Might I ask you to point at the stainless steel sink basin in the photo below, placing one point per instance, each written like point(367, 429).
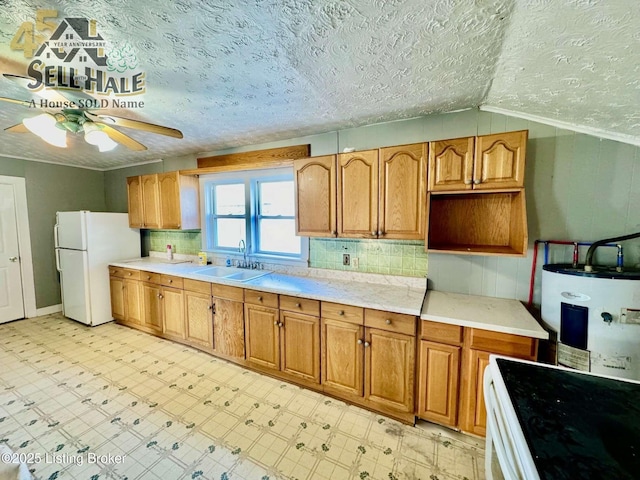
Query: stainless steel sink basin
point(246, 275)
point(216, 271)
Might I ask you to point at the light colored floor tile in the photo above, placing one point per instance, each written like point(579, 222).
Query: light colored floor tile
point(175, 412)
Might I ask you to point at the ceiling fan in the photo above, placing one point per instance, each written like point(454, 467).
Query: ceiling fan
point(96, 127)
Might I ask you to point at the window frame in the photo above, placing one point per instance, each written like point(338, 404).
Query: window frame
point(251, 180)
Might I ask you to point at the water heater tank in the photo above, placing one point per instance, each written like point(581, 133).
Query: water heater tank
point(596, 317)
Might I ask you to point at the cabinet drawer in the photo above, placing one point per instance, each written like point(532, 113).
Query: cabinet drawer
point(301, 305)
point(227, 292)
point(502, 343)
point(441, 332)
point(171, 281)
point(261, 298)
point(392, 322)
point(124, 273)
point(346, 313)
point(150, 277)
point(197, 286)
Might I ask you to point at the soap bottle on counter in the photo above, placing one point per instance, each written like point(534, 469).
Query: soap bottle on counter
point(169, 252)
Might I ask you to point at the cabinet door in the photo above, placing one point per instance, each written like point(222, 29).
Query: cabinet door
point(358, 194)
point(262, 335)
point(134, 200)
point(152, 306)
point(133, 302)
point(439, 372)
point(390, 369)
point(403, 192)
point(451, 164)
point(228, 327)
point(315, 187)
point(300, 345)
point(499, 160)
point(116, 286)
point(198, 319)
point(173, 313)
point(342, 357)
point(150, 199)
point(169, 196)
point(473, 414)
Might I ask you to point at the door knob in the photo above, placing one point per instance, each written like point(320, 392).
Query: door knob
point(13, 259)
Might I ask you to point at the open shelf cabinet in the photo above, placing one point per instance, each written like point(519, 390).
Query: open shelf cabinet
point(479, 223)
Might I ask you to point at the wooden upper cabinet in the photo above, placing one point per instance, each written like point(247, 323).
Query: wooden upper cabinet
point(134, 197)
point(150, 201)
point(451, 164)
point(164, 200)
point(499, 160)
point(315, 187)
point(179, 204)
point(479, 163)
point(403, 190)
point(358, 194)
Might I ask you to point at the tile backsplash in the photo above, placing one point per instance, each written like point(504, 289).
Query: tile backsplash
point(389, 257)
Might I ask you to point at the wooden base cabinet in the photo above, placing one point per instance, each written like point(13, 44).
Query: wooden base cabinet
point(438, 382)
point(262, 331)
point(300, 346)
point(228, 322)
point(373, 366)
point(198, 319)
point(126, 301)
point(473, 416)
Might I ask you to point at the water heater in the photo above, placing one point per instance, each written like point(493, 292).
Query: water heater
point(596, 316)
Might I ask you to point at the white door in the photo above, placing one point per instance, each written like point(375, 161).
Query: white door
point(11, 299)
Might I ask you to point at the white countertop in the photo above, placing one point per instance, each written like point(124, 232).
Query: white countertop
point(487, 313)
point(391, 298)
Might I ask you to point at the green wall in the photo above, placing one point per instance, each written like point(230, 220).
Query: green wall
point(51, 188)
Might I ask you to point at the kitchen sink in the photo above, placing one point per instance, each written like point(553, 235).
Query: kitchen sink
point(217, 271)
point(232, 273)
point(246, 275)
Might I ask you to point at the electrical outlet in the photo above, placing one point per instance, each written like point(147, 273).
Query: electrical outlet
point(355, 262)
point(346, 259)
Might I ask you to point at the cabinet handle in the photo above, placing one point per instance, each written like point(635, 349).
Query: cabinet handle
point(334, 233)
point(467, 182)
point(129, 273)
point(210, 307)
point(380, 233)
point(297, 305)
point(477, 182)
point(170, 281)
point(259, 299)
point(387, 321)
point(160, 296)
point(366, 344)
point(281, 324)
point(373, 232)
point(359, 342)
point(276, 323)
point(341, 312)
point(148, 277)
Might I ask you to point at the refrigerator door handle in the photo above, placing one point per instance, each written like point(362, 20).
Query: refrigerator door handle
point(57, 250)
point(56, 240)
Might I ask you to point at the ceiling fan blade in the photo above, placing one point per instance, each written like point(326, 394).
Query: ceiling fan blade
point(135, 124)
point(13, 100)
point(48, 94)
point(18, 128)
point(121, 138)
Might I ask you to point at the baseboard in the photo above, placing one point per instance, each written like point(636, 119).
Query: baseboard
point(48, 310)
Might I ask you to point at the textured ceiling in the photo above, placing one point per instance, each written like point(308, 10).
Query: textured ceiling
point(231, 73)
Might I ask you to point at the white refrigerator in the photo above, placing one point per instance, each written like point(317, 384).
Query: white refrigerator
point(85, 243)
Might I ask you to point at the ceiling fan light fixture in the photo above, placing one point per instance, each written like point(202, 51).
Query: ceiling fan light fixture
point(44, 126)
point(94, 136)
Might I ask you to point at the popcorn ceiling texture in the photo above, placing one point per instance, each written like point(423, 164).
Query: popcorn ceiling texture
point(232, 74)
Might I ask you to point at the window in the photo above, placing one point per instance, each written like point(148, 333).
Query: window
point(254, 207)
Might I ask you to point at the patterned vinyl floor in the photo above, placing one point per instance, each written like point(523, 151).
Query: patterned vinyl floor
point(112, 403)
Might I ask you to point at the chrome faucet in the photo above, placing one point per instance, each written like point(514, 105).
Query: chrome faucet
point(242, 248)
